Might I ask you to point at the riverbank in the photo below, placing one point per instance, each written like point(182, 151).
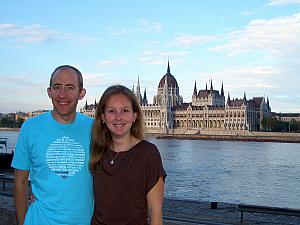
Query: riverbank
point(9, 129)
point(245, 136)
point(283, 137)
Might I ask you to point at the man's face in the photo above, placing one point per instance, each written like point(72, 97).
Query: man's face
point(65, 94)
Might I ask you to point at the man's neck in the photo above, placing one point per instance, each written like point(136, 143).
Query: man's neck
point(64, 119)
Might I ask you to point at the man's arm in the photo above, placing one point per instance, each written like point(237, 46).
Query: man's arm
point(21, 194)
point(155, 199)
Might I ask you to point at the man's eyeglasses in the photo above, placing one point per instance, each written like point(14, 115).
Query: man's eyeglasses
point(70, 89)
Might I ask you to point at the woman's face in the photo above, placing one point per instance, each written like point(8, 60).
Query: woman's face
point(118, 115)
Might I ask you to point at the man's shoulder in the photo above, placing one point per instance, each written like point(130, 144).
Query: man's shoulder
point(85, 117)
point(37, 119)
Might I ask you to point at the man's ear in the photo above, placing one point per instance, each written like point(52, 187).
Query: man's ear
point(49, 92)
point(82, 93)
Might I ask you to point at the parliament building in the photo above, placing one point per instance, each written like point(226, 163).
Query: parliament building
point(207, 113)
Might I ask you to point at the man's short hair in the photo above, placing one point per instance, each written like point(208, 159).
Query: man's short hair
point(64, 67)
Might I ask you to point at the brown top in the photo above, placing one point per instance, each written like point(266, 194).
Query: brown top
point(121, 188)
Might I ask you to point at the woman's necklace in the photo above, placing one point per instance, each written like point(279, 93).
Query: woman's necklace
point(113, 160)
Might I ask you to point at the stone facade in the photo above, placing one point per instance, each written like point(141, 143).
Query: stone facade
point(207, 112)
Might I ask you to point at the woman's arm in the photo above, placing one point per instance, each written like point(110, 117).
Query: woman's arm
point(155, 199)
point(21, 194)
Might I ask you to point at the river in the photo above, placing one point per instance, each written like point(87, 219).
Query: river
point(262, 173)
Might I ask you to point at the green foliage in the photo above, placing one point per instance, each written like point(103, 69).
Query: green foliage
point(274, 125)
point(10, 123)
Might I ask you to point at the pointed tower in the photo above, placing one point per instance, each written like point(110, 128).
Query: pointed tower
point(228, 99)
point(222, 90)
point(211, 86)
point(95, 104)
point(195, 89)
point(138, 91)
point(244, 98)
point(145, 100)
point(86, 105)
point(269, 108)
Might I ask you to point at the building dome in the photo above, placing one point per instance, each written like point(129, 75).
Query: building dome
point(171, 81)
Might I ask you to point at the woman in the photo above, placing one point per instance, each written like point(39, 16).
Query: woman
point(127, 169)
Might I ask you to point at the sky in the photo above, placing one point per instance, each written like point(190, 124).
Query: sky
point(253, 47)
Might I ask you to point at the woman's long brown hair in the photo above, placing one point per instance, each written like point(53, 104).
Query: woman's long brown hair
point(101, 139)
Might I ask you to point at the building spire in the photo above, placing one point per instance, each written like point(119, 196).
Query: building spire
point(86, 105)
point(222, 90)
point(195, 89)
point(245, 99)
point(211, 86)
point(138, 89)
point(228, 99)
point(145, 100)
point(168, 69)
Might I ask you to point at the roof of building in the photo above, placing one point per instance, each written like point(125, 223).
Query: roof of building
point(205, 93)
point(258, 100)
point(237, 102)
point(171, 81)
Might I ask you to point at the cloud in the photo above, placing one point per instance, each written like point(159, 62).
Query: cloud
point(147, 26)
point(92, 79)
point(37, 34)
point(143, 25)
point(274, 37)
point(33, 87)
point(254, 80)
point(112, 62)
point(187, 40)
point(282, 2)
point(159, 58)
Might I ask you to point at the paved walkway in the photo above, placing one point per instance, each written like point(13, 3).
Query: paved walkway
point(193, 212)
point(178, 212)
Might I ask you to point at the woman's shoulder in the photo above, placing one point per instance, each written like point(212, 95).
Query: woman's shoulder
point(147, 144)
point(148, 147)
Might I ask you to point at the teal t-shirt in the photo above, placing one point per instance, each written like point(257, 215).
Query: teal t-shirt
point(57, 156)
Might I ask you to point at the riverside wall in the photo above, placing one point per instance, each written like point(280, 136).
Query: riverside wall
point(230, 135)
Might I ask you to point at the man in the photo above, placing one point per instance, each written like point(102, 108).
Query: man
point(53, 149)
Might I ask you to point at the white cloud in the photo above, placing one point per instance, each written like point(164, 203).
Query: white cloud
point(160, 58)
point(143, 25)
point(187, 40)
point(282, 2)
point(94, 79)
point(274, 37)
point(36, 34)
point(112, 62)
point(148, 26)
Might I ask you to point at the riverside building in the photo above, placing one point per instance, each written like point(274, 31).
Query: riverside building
point(207, 113)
